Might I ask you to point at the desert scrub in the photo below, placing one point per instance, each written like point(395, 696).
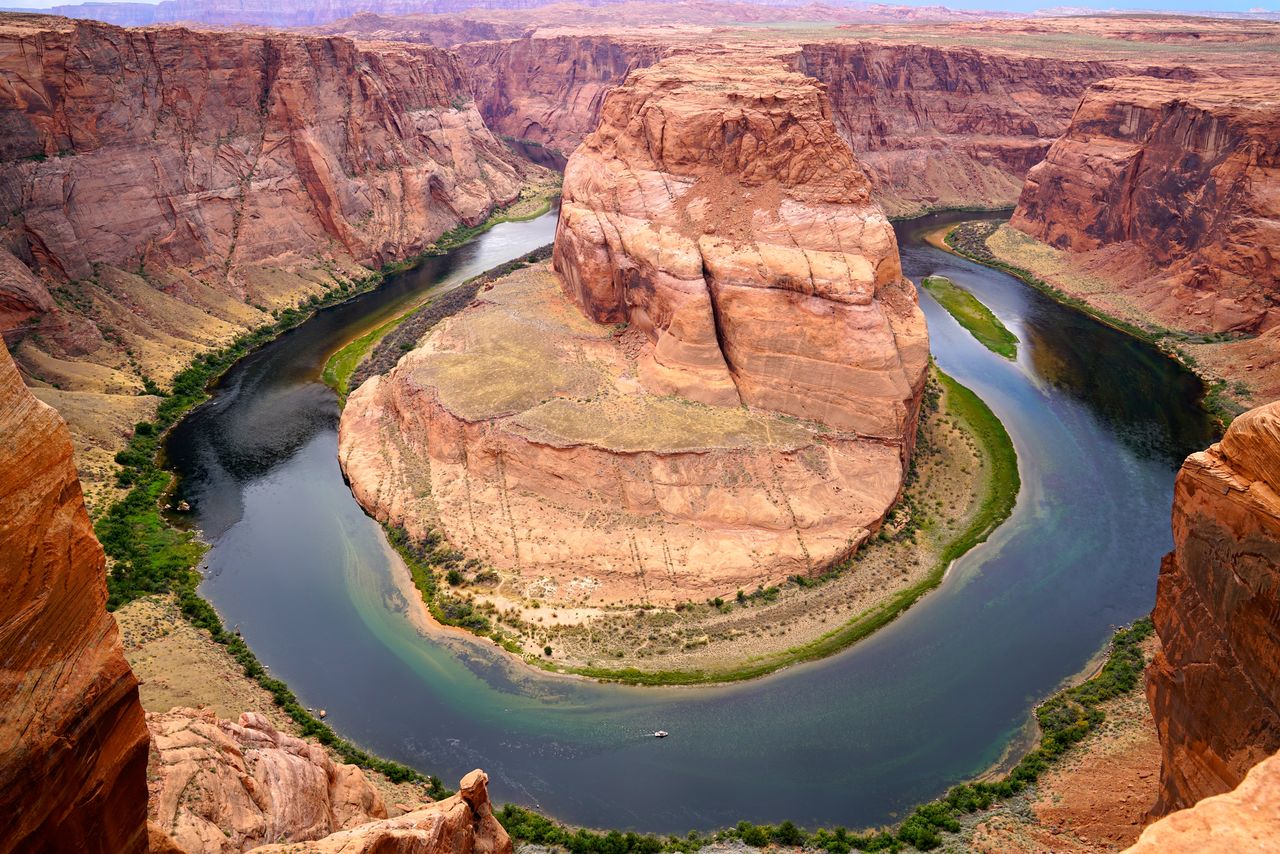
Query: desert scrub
point(970, 313)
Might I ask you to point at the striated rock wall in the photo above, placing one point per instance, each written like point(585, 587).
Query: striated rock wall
point(1178, 185)
point(1215, 688)
point(73, 743)
point(947, 127)
point(716, 210)
point(550, 90)
point(218, 786)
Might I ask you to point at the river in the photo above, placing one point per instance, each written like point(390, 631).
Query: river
point(1100, 422)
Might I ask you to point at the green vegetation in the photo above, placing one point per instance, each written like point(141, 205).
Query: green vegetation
point(1001, 492)
point(970, 313)
point(342, 364)
point(1064, 719)
point(970, 240)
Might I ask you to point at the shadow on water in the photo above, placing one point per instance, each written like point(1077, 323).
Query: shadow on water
point(856, 739)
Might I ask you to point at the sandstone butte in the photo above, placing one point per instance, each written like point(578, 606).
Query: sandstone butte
point(1215, 687)
point(717, 389)
point(165, 188)
point(73, 742)
point(1171, 190)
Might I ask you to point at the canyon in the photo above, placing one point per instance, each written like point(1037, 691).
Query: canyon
point(714, 386)
point(166, 190)
point(703, 225)
point(1168, 188)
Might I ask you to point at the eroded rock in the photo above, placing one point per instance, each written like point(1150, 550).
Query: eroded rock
point(1174, 187)
point(73, 744)
point(1215, 688)
point(221, 786)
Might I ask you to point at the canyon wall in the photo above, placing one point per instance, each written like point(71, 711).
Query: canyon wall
point(161, 191)
point(1175, 187)
point(719, 390)
point(73, 742)
point(550, 90)
point(942, 127)
point(1215, 687)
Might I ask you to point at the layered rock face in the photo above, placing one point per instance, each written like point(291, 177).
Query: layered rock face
point(157, 181)
point(716, 211)
point(1178, 186)
point(721, 389)
point(218, 786)
point(73, 743)
point(1244, 819)
point(1215, 688)
point(462, 824)
point(550, 90)
point(945, 127)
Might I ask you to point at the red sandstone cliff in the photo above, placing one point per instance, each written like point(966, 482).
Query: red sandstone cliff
point(1176, 186)
point(549, 90)
point(947, 126)
point(73, 743)
point(1215, 688)
point(155, 181)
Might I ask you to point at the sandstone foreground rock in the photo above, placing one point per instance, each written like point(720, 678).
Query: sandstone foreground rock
point(1215, 688)
point(221, 786)
point(720, 391)
point(73, 744)
point(1173, 189)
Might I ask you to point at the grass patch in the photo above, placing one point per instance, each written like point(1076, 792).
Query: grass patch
point(970, 313)
point(342, 364)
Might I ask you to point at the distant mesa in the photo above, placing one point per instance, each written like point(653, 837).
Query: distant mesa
point(716, 387)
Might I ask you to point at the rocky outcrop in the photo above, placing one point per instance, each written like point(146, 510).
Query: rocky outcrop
point(439, 30)
point(462, 824)
point(1215, 688)
point(218, 786)
point(1176, 184)
point(1244, 819)
point(550, 90)
point(73, 744)
point(716, 210)
point(719, 392)
point(942, 127)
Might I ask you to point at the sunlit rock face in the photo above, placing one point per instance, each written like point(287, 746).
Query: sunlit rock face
point(717, 386)
point(1173, 189)
point(1215, 688)
point(73, 743)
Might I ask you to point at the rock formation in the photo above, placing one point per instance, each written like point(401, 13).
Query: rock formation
point(1244, 819)
point(218, 786)
point(462, 824)
point(1215, 688)
point(737, 405)
point(947, 126)
point(550, 90)
point(73, 743)
point(1175, 185)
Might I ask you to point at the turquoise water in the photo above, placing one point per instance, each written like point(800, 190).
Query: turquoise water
point(1100, 422)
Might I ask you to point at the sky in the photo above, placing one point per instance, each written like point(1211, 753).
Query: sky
point(1201, 6)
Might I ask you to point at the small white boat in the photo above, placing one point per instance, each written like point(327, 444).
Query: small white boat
point(662, 733)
